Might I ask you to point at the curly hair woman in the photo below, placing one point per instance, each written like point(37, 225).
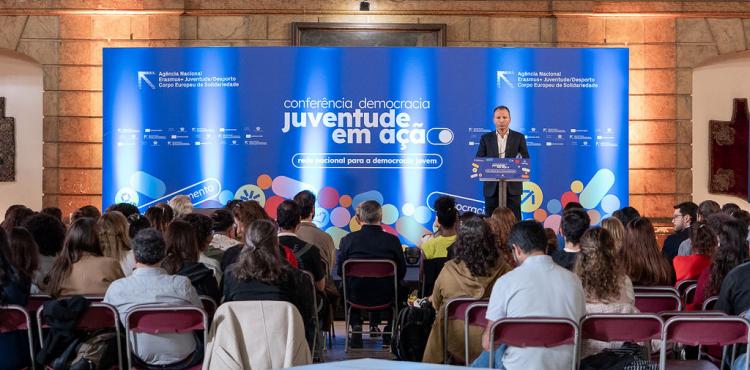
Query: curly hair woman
point(478, 264)
point(607, 288)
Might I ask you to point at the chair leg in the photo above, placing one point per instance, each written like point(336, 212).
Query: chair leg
point(346, 328)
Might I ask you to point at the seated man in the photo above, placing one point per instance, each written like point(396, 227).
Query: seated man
point(311, 233)
point(150, 284)
point(537, 287)
point(308, 255)
point(371, 242)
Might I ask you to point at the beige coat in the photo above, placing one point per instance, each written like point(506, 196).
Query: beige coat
point(91, 275)
point(256, 335)
point(455, 280)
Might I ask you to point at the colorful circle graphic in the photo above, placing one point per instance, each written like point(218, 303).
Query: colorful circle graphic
point(345, 201)
point(340, 217)
point(422, 214)
point(251, 192)
point(408, 209)
point(225, 196)
point(328, 197)
point(390, 214)
point(554, 206)
point(127, 195)
point(264, 181)
point(576, 186)
point(531, 198)
point(610, 203)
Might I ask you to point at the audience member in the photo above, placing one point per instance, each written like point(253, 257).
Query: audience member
point(158, 218)
point(182, 258)
point(310, 232)
point(152, 285)
point(730, 253)
point(231, 204)
point(224, 229)
point(137, 223)
point(607, 289)
point(617, 230)
point(742, 217)
point(181, 205)
point(551, 242)
point(49, 234)
point(259, 274)
point(126, 209)
point(641, 258)
point(85, 211)
point(168, 212)
point(16, 216)
point(202, 225)
point(437, 246)
point(537, 287)
point(626, 214)
point(685, 214)
point(572, 205)
point(734, 295)
point(472, 273)
point(729, 208)
point(370, 242)
point(53, 211)
point(14, 289)
point(575, 222)
point(703, 241)
point(705, 210)
point(8, 211)
point(308, 255)
point(23, 253)
point(80, 268)
point(114, 240)
point(500, 222)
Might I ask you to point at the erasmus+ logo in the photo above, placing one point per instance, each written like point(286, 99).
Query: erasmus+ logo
point(143, 78)
point(502, 77)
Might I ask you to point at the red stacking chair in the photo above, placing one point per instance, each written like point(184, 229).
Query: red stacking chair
point(159, 319)
point(535, 332)
point(689, 295)
point(35, 301)
point(683, 285)
point(702, 330)
point(657, 302)
point(710, 303)
point(97, 316)
point(209, 305)
point(315, 353)
point(16, 318)
point(366, 268)
point(475, 316)
point(454, 309)
point(656, 289)
point(621, 328)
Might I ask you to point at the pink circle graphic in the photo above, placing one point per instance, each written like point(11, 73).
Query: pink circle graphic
point(340, 217)
point(553, 222)
point(328, 197)
point(568, 197)
point(271, 204)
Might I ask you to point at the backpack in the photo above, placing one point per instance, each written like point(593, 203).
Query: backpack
point(97, 350)
point(411, 332)
point(628, 357)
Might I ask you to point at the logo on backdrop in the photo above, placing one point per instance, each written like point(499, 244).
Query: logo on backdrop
point(502, 77)
point(142, 77)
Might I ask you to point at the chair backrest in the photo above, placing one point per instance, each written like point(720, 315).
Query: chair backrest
point(369, 268)
point(475, 315)
point(704, 330)
point(656, 289)
point(621, 327)
point(209, 305)
point(455, 309)
point(689, 295)
point(657, 302)
point(683, 285)
point(535, 332)
point(35, 301)
point(311, 278)
point(710, 303)
point(16, 318)
point(666, 315)
point(159, 319)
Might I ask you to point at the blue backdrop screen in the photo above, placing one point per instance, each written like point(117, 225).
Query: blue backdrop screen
point(397, 125)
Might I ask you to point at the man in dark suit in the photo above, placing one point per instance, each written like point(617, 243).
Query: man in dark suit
point(371, 242)
point(684, 215)
point(502, 143)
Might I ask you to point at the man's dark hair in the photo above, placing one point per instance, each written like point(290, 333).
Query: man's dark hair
point(572, 205)
point(48, 232)
point(574, 223)
point(729, 208)
point(445, 209)
point(148, 246)
point(501, 107)
point(688, 209)
point(222, 220)
point(528, 235)
point(627, 214)
point(201, 225)
point(137, 223)
point(53, 211)
point(306, 201)
point(126, 209)
point(288, 214)
point(707, 208)
point(86, 211)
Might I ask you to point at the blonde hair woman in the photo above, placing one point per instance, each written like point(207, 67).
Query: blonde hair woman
point(114, 240)
point(182, 205)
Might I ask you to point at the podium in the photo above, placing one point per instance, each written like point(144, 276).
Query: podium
point(502, 170)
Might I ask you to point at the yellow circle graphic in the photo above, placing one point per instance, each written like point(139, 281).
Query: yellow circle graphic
point(576, 186)
point(531, 197)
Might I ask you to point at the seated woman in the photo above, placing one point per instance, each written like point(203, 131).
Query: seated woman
point(182, 258)
point(437, 246)
point(501, 222)
point(260, 275)
point(115, 241)
point(472, 273)
point(608, 289)
point(14, 289)
point(23, 254)
point(731, 252)
point(80, 268)
point(703, 241)
point(640, 256)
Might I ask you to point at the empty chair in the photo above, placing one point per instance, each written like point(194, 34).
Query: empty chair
point(657, 302)
point(159, 319)
point(15, 318)
point(256, 335)
point(702, 330)
point(535, 332)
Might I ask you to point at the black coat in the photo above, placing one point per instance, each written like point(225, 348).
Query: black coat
point(488, 148)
